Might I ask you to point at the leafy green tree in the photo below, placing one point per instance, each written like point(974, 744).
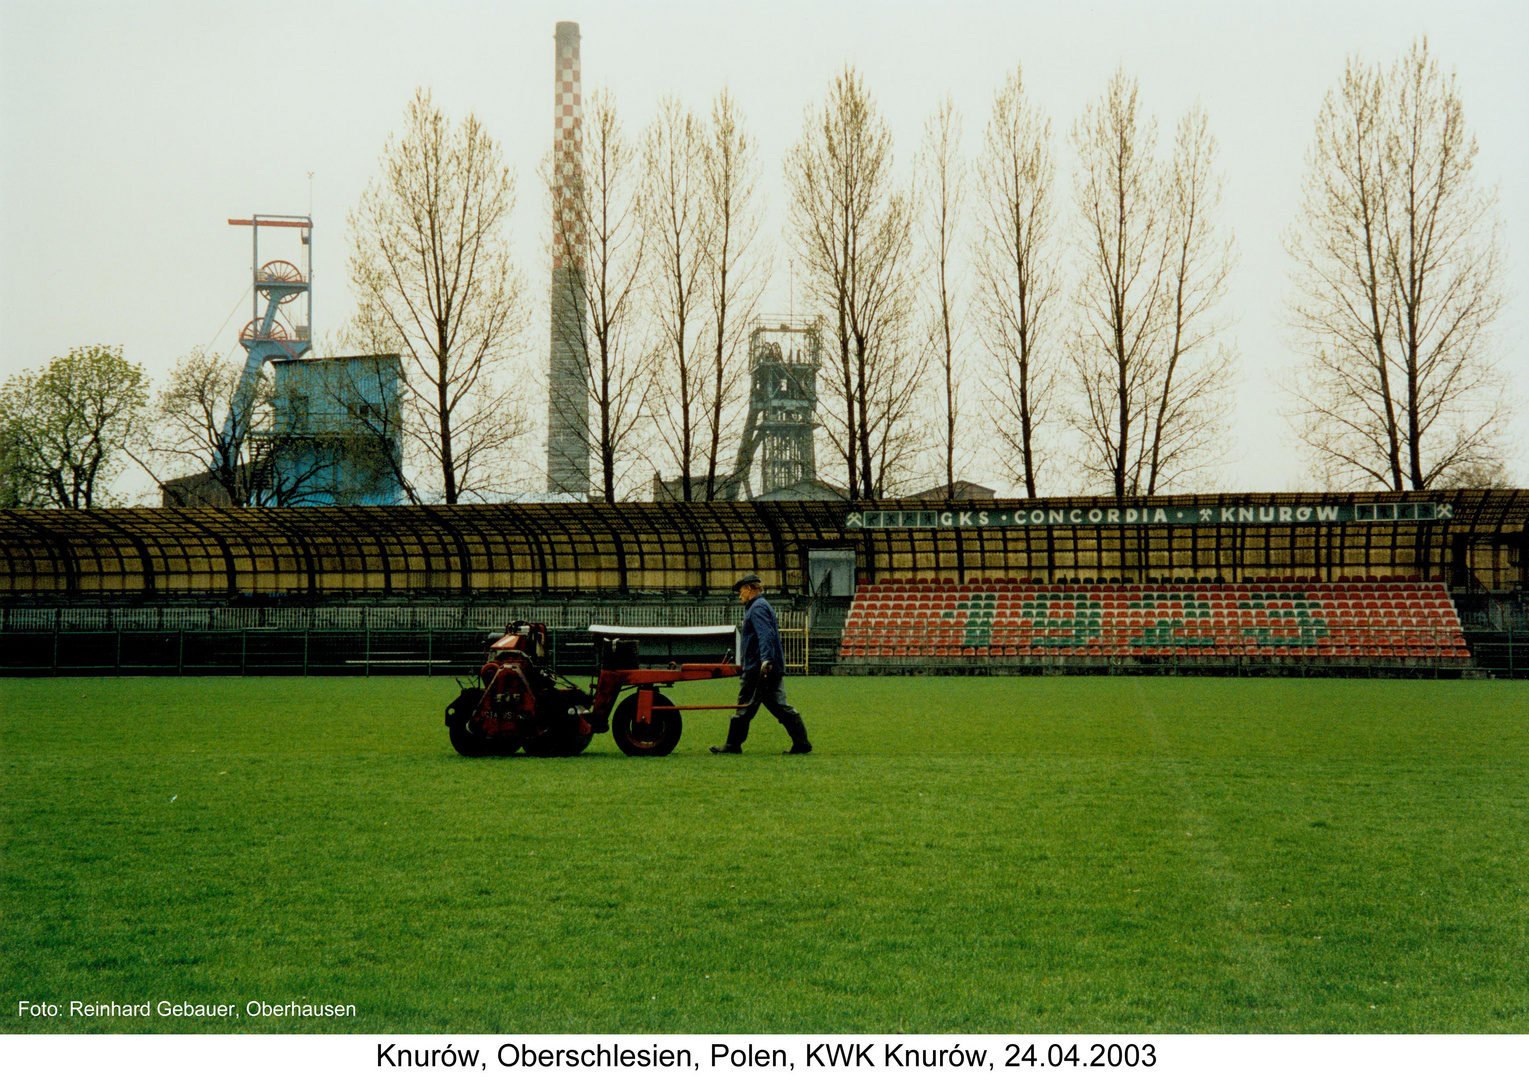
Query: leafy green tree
point(66, 430)
point(19, 486)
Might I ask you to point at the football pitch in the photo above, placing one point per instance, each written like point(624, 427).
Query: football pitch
point(959, 854)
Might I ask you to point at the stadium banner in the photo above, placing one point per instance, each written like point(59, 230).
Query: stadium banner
point(1247, 514)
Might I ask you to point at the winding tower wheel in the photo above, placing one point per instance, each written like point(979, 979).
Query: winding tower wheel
point(251, 332)
point(277, 273)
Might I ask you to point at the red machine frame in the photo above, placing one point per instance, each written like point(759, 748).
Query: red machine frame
point(612, 681)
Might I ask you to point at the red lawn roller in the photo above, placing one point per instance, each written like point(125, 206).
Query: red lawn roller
point(521, 703)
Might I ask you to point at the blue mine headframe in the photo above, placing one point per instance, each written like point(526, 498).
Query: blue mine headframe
point(282, 287)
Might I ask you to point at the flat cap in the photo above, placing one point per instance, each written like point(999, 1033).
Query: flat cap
point(748, 579)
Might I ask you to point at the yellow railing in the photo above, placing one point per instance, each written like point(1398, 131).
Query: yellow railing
point(793, 643)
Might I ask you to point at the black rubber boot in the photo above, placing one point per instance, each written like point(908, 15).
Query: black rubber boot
point(798, 732)
point(737, 731)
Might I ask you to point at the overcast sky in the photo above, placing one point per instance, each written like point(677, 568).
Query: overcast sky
point(129, 133)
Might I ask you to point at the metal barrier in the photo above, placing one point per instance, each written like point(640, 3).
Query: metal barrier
point(794, 643)
point(1504, 653)
point(376, 617)
point(259, 652)
point(63, 647)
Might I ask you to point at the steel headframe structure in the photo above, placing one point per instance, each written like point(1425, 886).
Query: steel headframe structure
point(785, 354)
point(280, 286)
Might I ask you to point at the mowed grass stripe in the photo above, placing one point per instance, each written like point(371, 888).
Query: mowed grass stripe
point(958, 854)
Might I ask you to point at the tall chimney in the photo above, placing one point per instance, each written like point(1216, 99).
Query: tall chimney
point(568, 366)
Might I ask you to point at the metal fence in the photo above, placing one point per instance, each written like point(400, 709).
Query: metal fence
point(323, 641)
point(375, 617)
point(794, 643)
point(1506, 614)
point(264, 652)
point(1504, 653)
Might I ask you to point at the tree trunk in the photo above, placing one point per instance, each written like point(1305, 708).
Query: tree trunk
point(443, 405)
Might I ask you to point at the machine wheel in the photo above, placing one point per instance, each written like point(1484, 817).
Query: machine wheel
point(465, 741)
point(654, 739)
point(557, 741)
point(575, 744)
point(503, 746)
point(561, 737)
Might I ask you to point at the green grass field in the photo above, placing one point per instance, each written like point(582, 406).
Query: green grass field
point(965, 854)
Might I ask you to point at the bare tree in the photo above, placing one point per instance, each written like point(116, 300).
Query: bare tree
point(1120, 292)
point(852, 226)
point(1197, 365)
point(1145, 343)
point(897, 438)
point(942, 174)
point(1397, 282)
point(69, 427)
point(601, 236)
point(1018, 282)
point(736, 271)
point(190, 432)
point(435, 283)
point(678, 228)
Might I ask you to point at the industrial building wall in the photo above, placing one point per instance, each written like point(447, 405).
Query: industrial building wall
point(326, 555)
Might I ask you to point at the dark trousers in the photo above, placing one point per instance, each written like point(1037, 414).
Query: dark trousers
point(754, 691)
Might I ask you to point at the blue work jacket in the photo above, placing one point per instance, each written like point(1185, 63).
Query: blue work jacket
point(761, 638)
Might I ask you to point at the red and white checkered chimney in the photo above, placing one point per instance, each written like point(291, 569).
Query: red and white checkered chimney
point(568, 365)
point(567, 136)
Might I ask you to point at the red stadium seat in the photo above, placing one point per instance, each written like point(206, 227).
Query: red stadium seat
point(1274, 620)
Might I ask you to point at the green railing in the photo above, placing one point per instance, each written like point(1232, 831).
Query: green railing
point(262, 652)
point(1504, 653)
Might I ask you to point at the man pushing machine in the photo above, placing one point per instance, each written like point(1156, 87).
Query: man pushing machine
point(763, 665)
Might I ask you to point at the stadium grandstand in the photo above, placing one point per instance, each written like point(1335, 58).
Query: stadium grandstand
point(1419, 583)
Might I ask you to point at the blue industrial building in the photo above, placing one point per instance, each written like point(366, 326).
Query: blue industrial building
point(314, 431)
point(333, 437)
